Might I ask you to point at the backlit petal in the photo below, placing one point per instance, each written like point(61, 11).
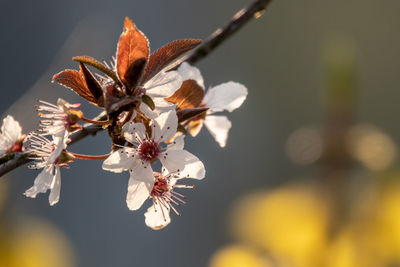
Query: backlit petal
point(164, 84)
point(134, 132)
point(227, 96)
point(121, 160)
point(165, 126)
point(194, 168)
point(177, 144)
point(219, 128)
point(175, 160)
point(189, 72)
point(55, 188)
point(146, 110)
point(140, 185)
point(11, 129)
point(157, 216)
point(42, 182)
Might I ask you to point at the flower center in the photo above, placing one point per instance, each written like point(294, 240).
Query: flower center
point(149, 150)
point(160, 187)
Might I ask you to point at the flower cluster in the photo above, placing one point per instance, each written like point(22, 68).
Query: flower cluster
point(149, 108)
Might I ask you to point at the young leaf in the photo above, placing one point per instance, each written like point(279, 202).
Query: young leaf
point(74, 80)
point(91, 82)
point(190, 95)
point(148, 101)
point(132, 55)
point(166, 54)
point(98, 65)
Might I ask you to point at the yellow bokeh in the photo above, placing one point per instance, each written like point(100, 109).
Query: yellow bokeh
point(290, 222)
point(36, 243)
point(372, 147)
point(389, 221)
point(353, 246)
point(341, 252)
point(237, 256)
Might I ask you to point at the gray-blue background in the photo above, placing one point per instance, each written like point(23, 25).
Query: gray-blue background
point(277, 57)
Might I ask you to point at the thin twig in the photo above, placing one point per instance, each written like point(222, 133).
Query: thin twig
point(257, 8)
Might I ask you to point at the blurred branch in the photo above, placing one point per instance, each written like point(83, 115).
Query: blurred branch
point(255, 10)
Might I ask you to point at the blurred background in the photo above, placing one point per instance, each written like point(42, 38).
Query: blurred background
point(310, 175)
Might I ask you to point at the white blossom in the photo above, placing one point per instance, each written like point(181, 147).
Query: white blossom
point(165, 199)
point(148, 149)
point(50, 155)
point(11, 136)
point(226, 96)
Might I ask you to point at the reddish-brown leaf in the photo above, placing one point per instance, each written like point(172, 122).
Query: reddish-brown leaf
point(132, 55)
point(91, 82)
point(166, 54)
point(190, 95)
point(74, 80)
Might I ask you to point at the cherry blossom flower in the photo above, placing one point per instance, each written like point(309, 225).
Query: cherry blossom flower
point(146, 150)
point(224, 97)
point(165, 198)
point(11, 137)
point(141, 183)
point(50, 155)
point(60, 118)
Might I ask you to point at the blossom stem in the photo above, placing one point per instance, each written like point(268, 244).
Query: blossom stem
point(90, 157)
point(95, 122)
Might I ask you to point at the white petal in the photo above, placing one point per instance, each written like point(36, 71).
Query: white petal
point(227, 96)
point(165, 126)
point(194, 168)
point(189, 72)
point(11, 132)
point(42, 182)
point(164, 84)
point(11, 128)
point(134, 131)
point(121, 160)
point(173, 160)
point(219, 128)
point(60, 142)
point(60, 138)
point(55, 187)
point(157, 216)
point(146, 110)
point(141, 183)
point(177, 144)
point(162, 105)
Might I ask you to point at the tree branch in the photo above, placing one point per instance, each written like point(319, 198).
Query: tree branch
point(256, 9)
